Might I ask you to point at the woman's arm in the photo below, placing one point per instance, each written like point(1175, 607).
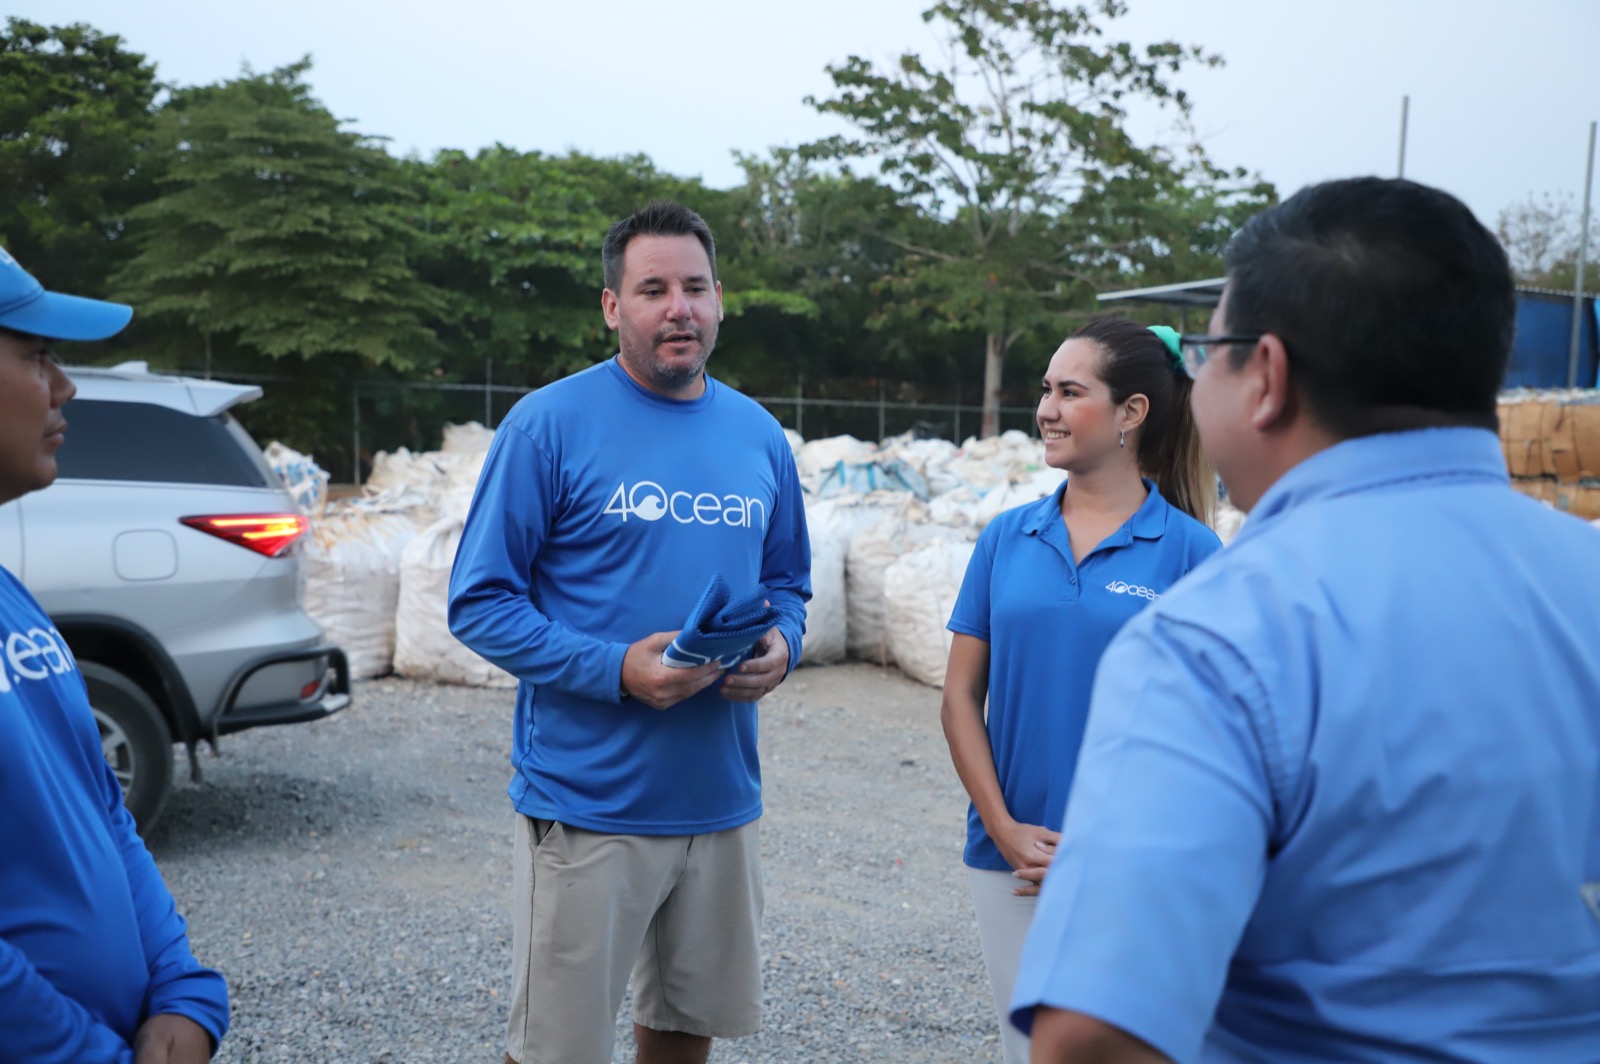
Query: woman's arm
point(966, 688)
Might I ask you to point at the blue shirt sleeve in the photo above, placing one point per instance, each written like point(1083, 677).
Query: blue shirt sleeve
point(1164, 849)
point(179, 984)
point(43, 1026)
point(970, 615)
point(491, 609)
point(786, 557)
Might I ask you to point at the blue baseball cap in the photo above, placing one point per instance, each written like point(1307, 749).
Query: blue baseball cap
point(26, 307)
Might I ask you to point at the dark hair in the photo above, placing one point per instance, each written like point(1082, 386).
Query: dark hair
point(1395, 304)
point(1135, 361)
point(661, 218)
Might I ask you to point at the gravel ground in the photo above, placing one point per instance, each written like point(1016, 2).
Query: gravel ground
point(350, 878)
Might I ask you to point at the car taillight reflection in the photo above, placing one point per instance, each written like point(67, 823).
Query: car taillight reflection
point(269, 534)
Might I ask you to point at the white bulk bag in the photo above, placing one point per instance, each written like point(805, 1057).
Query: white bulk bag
point(825, 639)
point(353, 581)
point(1229, 520)
point(871, 553)
point(424, 649)
point(919, 591)
point(1025, 488)
point(818, 456)
point(305, 480)
point(404, 470)
point(471, 438)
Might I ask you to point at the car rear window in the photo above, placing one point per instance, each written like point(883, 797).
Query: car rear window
point(142, 441)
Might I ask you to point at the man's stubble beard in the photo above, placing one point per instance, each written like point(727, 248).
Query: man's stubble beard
point(662, 374)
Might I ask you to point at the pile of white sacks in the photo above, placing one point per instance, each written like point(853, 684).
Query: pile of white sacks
point(892, 528)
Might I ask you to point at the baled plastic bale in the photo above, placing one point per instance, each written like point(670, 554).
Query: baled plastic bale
point(424, 649)
point(353, 581)
point(920, 591)
point(471, 438)
point(871, 553)
point(826, 639)
point(818, 456)
point(454, 497)
point(1029, 487)
point(957, 509)
point(441, 477)
point(305, 480)
point(405, 470)
point(1230, 519)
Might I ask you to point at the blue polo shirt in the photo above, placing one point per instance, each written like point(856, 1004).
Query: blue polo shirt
point(1339, 798)
point(1047, 620)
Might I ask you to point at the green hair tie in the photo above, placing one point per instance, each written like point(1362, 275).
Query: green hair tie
point(1169, 336)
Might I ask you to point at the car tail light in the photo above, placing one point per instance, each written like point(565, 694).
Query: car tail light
point(268, 534)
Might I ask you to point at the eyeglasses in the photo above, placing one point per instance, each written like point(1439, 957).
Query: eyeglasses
point(1195, 348)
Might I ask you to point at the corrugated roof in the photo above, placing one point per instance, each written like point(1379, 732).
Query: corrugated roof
point(1206, 293)
point(1185, 294)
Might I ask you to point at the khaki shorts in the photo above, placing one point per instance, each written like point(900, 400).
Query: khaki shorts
point(683, 912)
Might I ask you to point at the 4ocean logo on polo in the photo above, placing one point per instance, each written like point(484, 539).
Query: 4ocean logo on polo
point(35, 654)
point(1122, 587)
point(648, 501)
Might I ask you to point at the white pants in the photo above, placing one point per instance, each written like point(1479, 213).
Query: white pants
point(1003, 920)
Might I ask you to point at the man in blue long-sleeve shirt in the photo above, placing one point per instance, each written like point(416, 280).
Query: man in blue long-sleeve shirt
point(95, 963)
point(607, 501)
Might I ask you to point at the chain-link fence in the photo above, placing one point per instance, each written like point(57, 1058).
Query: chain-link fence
point(344, 432)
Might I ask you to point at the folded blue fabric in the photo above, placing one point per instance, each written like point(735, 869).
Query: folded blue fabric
point(720, 628)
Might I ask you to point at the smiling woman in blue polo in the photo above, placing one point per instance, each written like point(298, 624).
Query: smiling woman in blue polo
point(1049, 584)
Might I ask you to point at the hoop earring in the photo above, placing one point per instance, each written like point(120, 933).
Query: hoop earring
point(1122, 437)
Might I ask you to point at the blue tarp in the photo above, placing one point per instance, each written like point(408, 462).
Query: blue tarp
point(862, 477)
point(1540, 355)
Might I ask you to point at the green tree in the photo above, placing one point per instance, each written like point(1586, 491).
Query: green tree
point(277, 245)
point(513, 240)
point(1014, 148)
point(74, 119)
point(276, 233)
point(816, 238)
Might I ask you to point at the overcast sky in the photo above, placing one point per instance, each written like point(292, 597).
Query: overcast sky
point(1502, 92)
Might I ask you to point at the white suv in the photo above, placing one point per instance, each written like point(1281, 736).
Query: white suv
point(166, 554)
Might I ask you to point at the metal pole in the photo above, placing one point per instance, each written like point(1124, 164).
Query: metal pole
point(488, 392)
point(800, 405)
point(956, 429)
point(1405, 113)
point(1583, 255)
point(882, 432)
point(355, 433)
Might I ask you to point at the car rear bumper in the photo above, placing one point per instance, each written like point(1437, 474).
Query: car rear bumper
point(327, 695)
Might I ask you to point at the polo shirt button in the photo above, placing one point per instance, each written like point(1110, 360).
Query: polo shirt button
point(1072, 580)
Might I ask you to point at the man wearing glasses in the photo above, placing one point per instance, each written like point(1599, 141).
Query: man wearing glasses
point(1339, 798)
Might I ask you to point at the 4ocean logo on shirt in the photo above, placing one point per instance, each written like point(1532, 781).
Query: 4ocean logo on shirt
point(648, 501)
point(32, 655)
point(1122, 587)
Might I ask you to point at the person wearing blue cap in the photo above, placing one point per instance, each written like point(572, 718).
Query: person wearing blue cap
point(1339, 798)
point(1049, 584)
point(611, 503)
point(95, 963)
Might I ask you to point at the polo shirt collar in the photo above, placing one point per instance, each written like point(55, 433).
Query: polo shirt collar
point(1149, 521)
point(1369, 462)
